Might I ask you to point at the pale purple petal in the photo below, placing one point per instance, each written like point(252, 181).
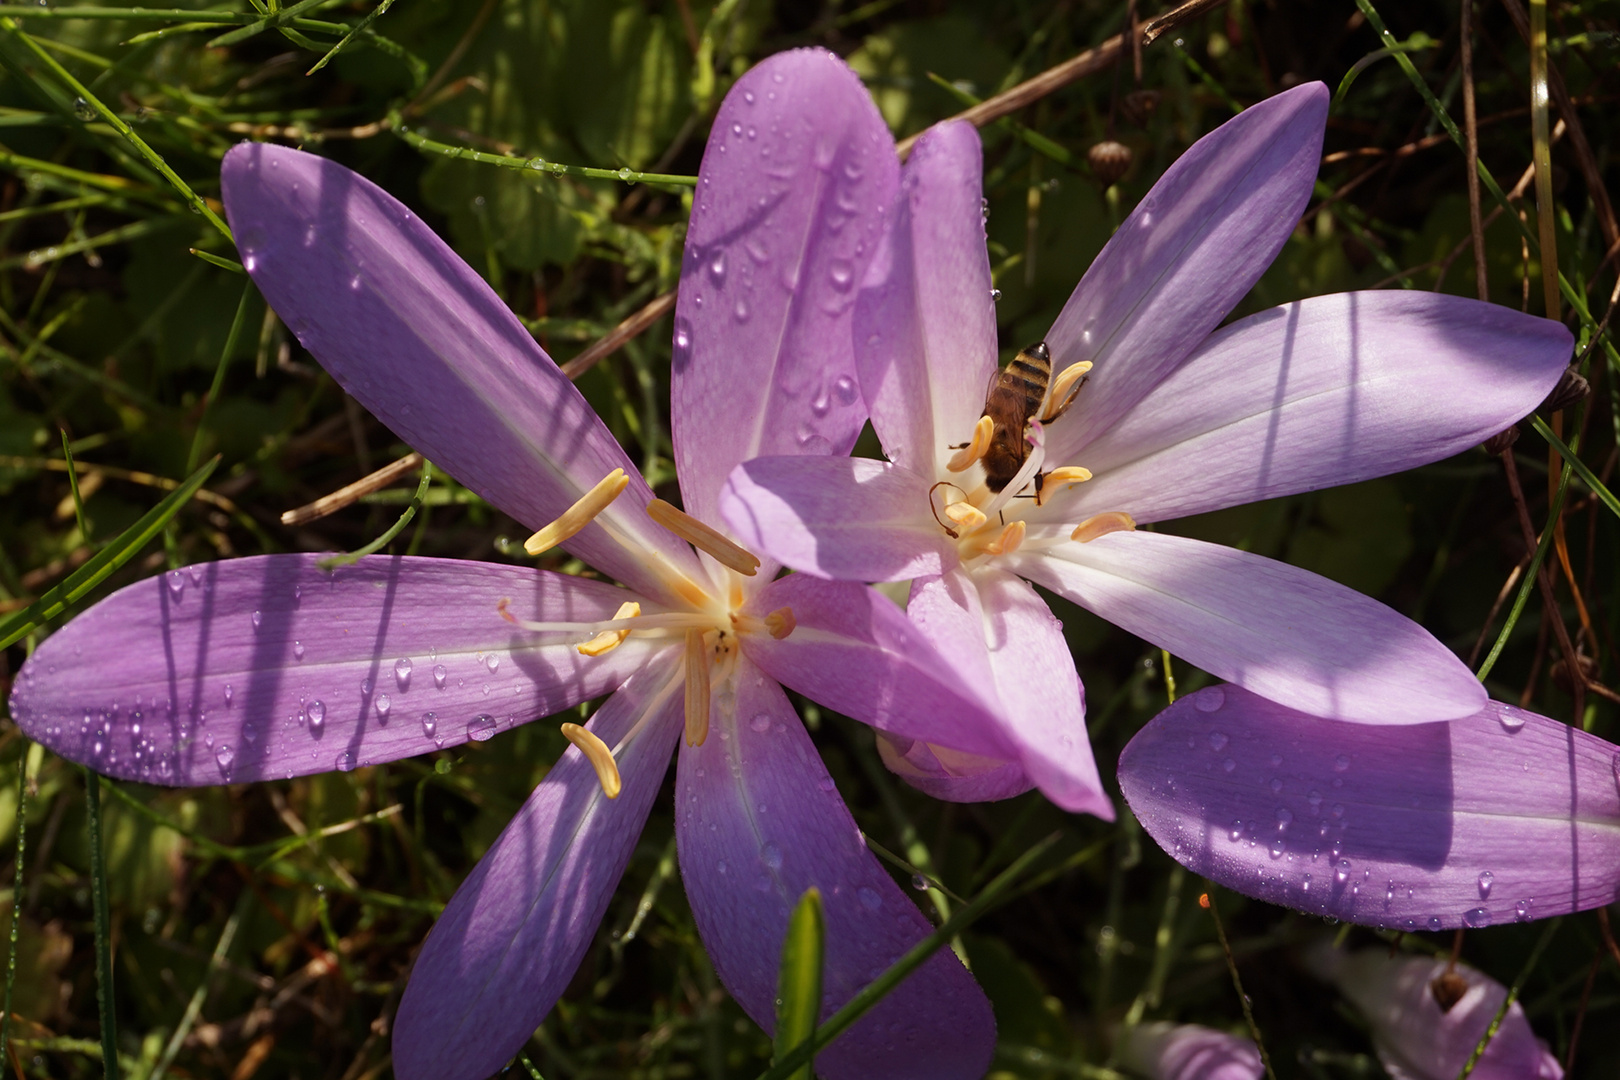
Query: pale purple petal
point(1162, 1051)
point(508, 943)
point(268, 667)
point(1326, 391)
point(851, 519)
point(951, 775)
point(1283, 632)
point(797, 180)
point(1191, 249)
point(759, 821)
point(1499, 817)
point(925, 324)
point(1000, 618)
point(1415, 1038)
point(421, 341)
point(854, 651)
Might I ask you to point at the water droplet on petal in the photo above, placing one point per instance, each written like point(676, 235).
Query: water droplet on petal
point(345, 762)
point(1218, 740)
point(1435, 923)
point(1477, 917)
point(298, 650)
point(257, 617)
point(1277, 849)
point(402, 672)
point(439, 675)
point(1511, 719)
point(1342, 871)
point(1209, 699)
point(1341, 763)
point(482, 728)
point(771, 856)
point(223, 756)
point(841, 273)
point(430, 723)
point(760, 723)
point(383, 705)
point(846, 390)
point(717, 268)
point(177, 582)
point(1228, 765)
point(1521, 911)
point(229, 694)
point(1486, 878)
point(919, 883)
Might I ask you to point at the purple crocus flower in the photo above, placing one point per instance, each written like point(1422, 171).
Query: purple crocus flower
point(270, 667)
point(1427, 1015)
point(1164, 1051)
point(1174, 418)
point(1502, 816)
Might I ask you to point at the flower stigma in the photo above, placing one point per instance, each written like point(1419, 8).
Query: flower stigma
point(581, 514)
point(597, 753)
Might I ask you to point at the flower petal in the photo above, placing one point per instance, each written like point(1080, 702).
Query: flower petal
point(1280, 631)
point(1188, 1052)
point(508, 943)
point(1191, 249)
point(925, 324)
point(758, 822)
point(1414, 1036)
point(851, 519)
point(950, 775)
point(798, 175)
point(1016, 636)
point(853, 651)
point(1498, 817)
point(1325, 391)
point(423, 343)
point(268, 666)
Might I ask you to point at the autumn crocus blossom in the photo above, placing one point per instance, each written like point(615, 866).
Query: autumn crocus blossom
point(270, 667)
point(1502, 816)
point(1427, 1016)
point(1163, 1051)
point(1174, 417)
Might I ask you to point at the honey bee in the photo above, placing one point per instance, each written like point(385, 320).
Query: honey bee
point(1019, 393)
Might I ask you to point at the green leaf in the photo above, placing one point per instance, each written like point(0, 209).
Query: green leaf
point(798, 985)
point(127, 545)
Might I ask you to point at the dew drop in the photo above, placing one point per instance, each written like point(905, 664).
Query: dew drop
point(365, 687)
point(256, 618)
point(430, 723)
point(402, 672)
point(1237, 831)
point(316, 712)
point(1218, 740)
point(845, 389)
point(919, 883)
point(842, 274)
point(1342, 871)
point(870, 900)
point(1209, 699)
point(482, 728)
point(760, 723)
point(1511, 719)
point(683, 335)
point(826, 783)
point(1477, 917)
point(223, 756)
point(229, 694)
point(1276, 760)
point(720, 867)
point(1276, 785)
point(1341, 763)
point(1389, 895)
point(1285, 817)
point(717, 268)
point(1229, 765)
point(771, 856)
point(1337, 811)
point(995, 296)
point(345, 762)
point(439, 675)
point(1277, 849)
point(492, 661)
point(298, 650)
point(1434, 922)
point(1305, 883)
point(741, 312)
point(1486, 878)
point(1521, 910)
point(382, 706)
point(177, 582)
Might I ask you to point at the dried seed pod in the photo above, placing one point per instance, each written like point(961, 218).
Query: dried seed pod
point(1560, 671)
point(1110, 160)
point(1572, 389)
point(1139, 106)
point(1501, 442)
point(1448, 989)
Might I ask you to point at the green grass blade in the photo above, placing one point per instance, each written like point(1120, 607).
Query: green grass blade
point(127, 545)
point(798, 984)
point(1588, 477)
point(16, 896)
point(98, 894)
point(359, 28)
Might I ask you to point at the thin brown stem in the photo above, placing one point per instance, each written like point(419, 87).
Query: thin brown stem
point(1471, 128)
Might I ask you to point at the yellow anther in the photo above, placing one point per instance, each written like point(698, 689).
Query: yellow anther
point(608, 640)
point(697, 688)
point(1066, 476)
point(579, 515)
point(1064, 388)
point(1010, 540)
point(974, 450)
point(965, 516)
point(600, 757)
point(703, 538)
point(780, 623)
point(1101, 525)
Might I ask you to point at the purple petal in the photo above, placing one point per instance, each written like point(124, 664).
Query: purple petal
point(992, 619)
point(951, 775)
point(797, 178)
point(508, 943)
point(422, 342)
point(855, 652)
point(1185, 256)
point(759, 821)
point(925, 325)
point(1415, 1037)
point(1164, 1051)
point(1499, 817)
point(270, 667)
point(1280, 631)
point(851, 519)
point(1326, 391)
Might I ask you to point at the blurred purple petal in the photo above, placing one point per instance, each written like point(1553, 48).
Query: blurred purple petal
point(423, 343)
point(1291, 635)
point(514, 933)
point(951, 775)
point(1162, 1051)
point(1326, 391)
point(759, 821)
point(1415, 1037)
point(850, 519)
point(1012, 630)
point(925, 325)
point(268, 667)
point(1500, 817)
point(855, 652)
point(797, 179)
point(1191, 249)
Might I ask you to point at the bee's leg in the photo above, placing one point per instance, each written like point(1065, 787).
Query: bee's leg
point(1040, 481)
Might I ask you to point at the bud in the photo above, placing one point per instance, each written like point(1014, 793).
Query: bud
point(1501, 442)
point(1110, 160)
point(1571, 390)
point(1139, 106)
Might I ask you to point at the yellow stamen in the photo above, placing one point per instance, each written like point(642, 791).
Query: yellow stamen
point(1012, 537)
point(1063, 388)
point(965, 516)
point(1065, 476)
point(780, 623)
point(1101, 525)
point(608, 640)
point(579, 515)
point(703, 538)
point(600, 757)
point(974, 450)
point(697, 688)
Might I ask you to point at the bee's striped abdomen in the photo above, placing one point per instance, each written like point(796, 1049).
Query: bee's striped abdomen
point(1029, 373)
